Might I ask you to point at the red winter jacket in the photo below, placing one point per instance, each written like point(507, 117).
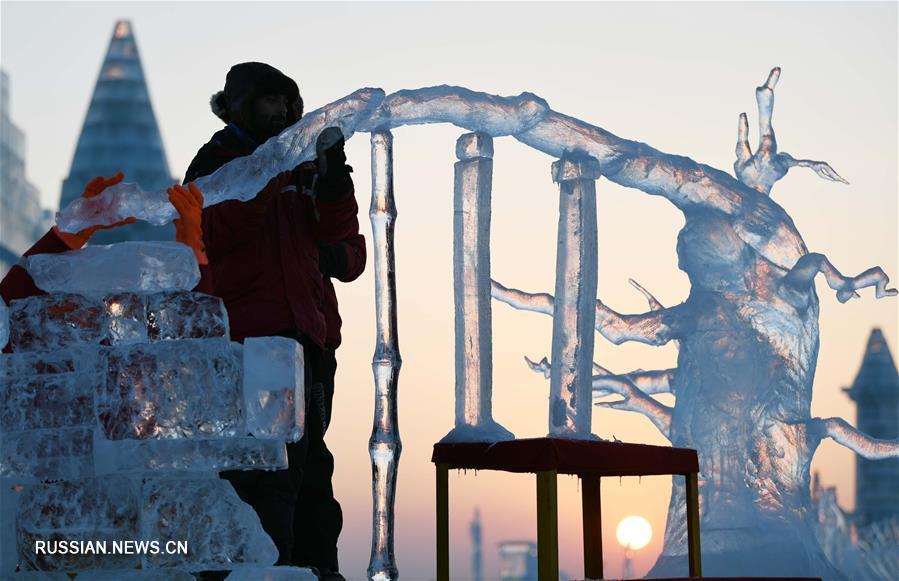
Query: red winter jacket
point(18, 284)
point(273, 268)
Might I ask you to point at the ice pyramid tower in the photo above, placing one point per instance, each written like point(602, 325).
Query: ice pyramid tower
point(120, 134)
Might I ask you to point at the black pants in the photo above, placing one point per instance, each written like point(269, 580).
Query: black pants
point(296, 506)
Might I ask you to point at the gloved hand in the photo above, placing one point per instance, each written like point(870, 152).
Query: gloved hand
point(188, 226)
point(271, 189)
point(333, 173)
point(93, 188)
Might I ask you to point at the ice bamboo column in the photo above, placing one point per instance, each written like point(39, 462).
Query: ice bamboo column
point(471, 284)
point(384, 446)
point(574, 313)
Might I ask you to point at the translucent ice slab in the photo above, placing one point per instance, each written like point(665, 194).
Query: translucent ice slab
point(172, 389)
point(125, 267)
point(220, 528)
point(56, 321)
point(273, 387)
point(49, 454)
point(186, 315)
point(212, 454)
point(47, 401)
point(272, 574)
point(99, 510)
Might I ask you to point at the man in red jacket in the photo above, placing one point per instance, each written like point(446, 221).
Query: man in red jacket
point(272, 259)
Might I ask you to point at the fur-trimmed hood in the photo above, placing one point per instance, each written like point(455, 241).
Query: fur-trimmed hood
point(247, 81)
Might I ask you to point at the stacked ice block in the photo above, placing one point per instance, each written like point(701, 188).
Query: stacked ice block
point(118, 409)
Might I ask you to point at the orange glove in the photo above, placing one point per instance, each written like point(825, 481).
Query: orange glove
point(93, 188)
point(188, 227)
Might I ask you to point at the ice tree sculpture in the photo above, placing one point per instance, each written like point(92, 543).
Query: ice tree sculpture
point(748, 332)
point(748, 343)
point(870, 551)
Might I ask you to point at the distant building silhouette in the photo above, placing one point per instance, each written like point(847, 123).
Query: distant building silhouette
point(876, 394)
point(477, 563)
point(22, 221)
point(518, 561)
point(120, 134)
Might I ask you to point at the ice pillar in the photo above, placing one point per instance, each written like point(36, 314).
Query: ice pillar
point(574, 312)
point(384, 446)
point(471, 284)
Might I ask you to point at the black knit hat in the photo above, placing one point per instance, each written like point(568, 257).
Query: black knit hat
point(247, 81)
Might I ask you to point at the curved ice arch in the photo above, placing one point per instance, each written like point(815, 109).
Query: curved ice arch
point(528, 118)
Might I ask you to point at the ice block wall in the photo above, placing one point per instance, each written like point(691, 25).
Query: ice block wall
point(117, 411)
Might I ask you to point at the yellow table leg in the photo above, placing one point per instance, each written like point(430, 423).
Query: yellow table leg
point(591, 516)
point(547, 527)
point(442, 522)
point(693, 550)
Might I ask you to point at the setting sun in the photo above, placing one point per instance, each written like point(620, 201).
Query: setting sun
point(634, 532)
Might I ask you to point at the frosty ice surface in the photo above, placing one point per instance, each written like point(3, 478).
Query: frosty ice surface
point(185, 315)
point(176, 509)
point(171, 389)
point(195, 454)
point(125, 267)
point(273, 387)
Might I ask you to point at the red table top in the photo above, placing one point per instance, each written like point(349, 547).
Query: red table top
point(568, 456)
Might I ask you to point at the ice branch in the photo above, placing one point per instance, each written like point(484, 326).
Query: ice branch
point(650, 328)
point(821, 168)
point(538, 303)
point(649, 382)
point(859, 442)
point(544, 367)
point(634, 400)
point(761, 170)
point(800, 279)
point(654, 304)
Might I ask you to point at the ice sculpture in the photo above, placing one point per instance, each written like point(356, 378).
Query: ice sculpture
point(77, 510)
point(128, 266)
point(47, 454)
point(119, 406)
point(747, 333)
point(274, 388)
point(55, 321)
point(177, 508)
point(572, 342)
point(384, 445)
point(200, 454)
point(748, 343)
point(272, 574)
point(171, 389)
point(471, 285)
